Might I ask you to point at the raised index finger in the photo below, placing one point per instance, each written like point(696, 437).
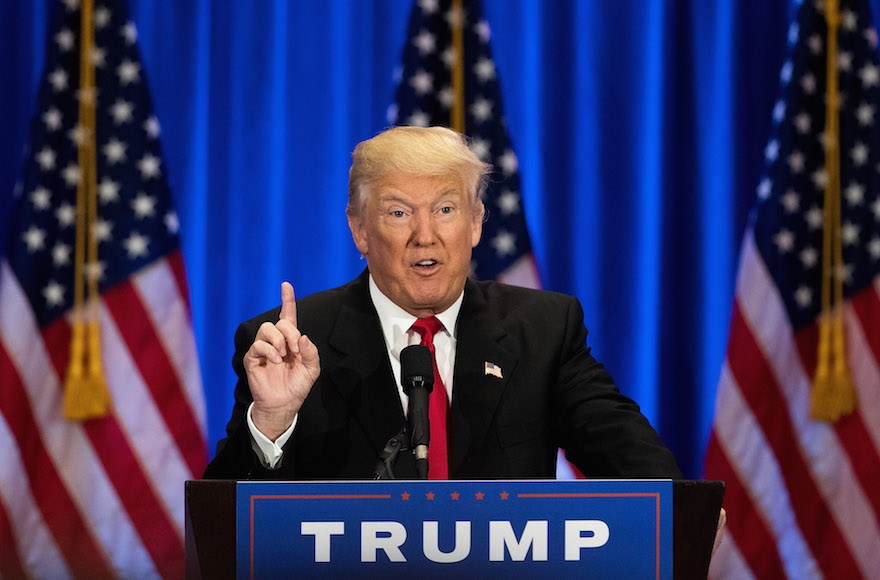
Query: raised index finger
point(288, 303)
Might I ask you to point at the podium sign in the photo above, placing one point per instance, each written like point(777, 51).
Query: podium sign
point(442, 529)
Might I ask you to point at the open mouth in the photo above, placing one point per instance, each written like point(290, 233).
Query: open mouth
point(426, 264)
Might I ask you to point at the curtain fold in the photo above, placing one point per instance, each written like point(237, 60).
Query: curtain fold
point(639, 128)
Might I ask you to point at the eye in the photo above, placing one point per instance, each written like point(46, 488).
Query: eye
point(397, 213)
point(447, 209)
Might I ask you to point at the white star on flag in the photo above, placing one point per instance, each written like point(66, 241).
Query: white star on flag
point(46, 159)
point(172, 224)
point(101, 17)
point(71, 175)
point(485, 69)
point(35, 238)
point(41, 198)
point(65, 40)
point(61, 254)
point(108, 190)
point(98, 56)
point(508, 162)
point(809, 257)
point(803, 296)
point(422, 82)
point(504, 243)
point(151, 126)
point(508, 202)
point(66, 215)
point(419, 119)
point(870, 75)
point(149, 166)
point(54, 293)
point(58, 80)
point(425, 42)
point(52, 119)
point(121, 111)
point(129, 32)
point(135, 245)
point(143, 206)
point(481, 110)
point(480, 147)
point(129, 72)
point(95, 270)
point(79, 135)
point(808, 83)
point(103, 230)
point(859, 154)
point(114, 151)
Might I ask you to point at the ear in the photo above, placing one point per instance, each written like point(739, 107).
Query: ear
point(358, 234)
point(476, 230)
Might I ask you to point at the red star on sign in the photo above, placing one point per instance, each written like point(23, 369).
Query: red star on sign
point(504, 495)
point(479, 495)
point(454, 495)
point(405, 496)
point(430, 496)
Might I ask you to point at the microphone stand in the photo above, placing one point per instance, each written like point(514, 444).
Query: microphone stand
point(385, 467)
point(421, 429)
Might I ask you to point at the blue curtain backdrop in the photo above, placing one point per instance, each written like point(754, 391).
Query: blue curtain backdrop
point(639, 126)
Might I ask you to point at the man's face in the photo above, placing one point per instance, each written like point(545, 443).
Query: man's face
point(417, 234)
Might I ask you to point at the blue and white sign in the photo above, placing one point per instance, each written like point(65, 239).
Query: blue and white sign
point(462, 529)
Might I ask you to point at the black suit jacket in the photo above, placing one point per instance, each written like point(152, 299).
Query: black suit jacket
point(552, 394)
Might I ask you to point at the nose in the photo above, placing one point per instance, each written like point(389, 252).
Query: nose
point(424, 232)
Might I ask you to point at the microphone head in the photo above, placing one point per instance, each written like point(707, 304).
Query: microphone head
point(416, 368)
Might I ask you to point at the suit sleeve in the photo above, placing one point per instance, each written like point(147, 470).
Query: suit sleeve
point(235, 458)
point(602, 432)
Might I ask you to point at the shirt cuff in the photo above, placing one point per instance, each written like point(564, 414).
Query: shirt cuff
point(268, 451)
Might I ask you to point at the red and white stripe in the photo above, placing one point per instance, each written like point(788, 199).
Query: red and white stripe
point(103, 497)
point(802, 495)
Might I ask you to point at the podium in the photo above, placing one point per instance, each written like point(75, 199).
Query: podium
point(684, 519)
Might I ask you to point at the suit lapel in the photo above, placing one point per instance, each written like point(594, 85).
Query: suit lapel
point(360, 369)
point(475, 393)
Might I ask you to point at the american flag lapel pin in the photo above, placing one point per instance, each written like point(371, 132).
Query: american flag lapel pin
point(493, 369)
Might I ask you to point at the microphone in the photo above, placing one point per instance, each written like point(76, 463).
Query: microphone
point(417, 378)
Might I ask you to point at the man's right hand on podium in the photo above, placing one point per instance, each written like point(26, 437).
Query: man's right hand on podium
point(281, 366)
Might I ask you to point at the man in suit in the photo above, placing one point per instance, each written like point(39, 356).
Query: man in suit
point(318, 395)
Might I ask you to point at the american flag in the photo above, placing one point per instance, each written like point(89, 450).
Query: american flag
point(448, 38)
point(101, 497)
point(803, 497)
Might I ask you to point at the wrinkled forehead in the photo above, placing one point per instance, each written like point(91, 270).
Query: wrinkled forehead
point(397, 184)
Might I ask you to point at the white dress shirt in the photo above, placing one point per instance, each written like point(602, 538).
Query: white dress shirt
point(396, 323)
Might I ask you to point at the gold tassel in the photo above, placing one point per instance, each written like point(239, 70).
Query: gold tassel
point(85, 391)
point(833, 391)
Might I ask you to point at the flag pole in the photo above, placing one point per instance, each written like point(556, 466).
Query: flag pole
point(457, 24)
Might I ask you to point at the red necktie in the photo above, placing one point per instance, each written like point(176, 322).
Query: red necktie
point(438, 462)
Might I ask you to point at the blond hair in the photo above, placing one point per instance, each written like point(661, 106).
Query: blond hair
point(422, 151)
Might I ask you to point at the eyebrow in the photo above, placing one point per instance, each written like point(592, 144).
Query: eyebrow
point(391, 198)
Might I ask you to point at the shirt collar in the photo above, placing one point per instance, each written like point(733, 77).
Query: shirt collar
point(395, 320)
